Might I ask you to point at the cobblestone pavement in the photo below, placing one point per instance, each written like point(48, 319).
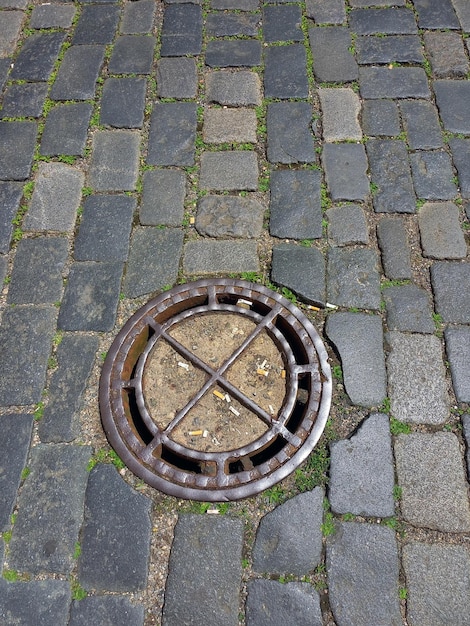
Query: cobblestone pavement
point(319, 147)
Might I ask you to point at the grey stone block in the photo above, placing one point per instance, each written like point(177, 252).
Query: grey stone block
point(229, 216)
point(123, 102)
point(353, 278)
point(438, 583)
point(458, 352)
point(78, 72)
point(75, 356)
point(172, 137)
point(395, 82)
point(238, 5)
point(241, 88)
point(115, 160)
point(271, 603)
point(290, 139)
point(10, 197)
point(97, 24)
point(56, 198)
point(387, 20)
point(116, 534)
point(285, 71)
point(204, 575)
point(229, 171)
point(345, 167)
point(10, 31)
point(358, 338)
point(416, 378)
point(50, 510)
point(163, 197)
point(432, 478)
point(332, 12)
point(36, 602)
point(295, 204)
point(229, 126)
point(282, 23)
point(132, 54)
point(137, 17)
point(446, 52)
point(451, 96)
point(341, 108)
point(433, 175)
point(231, 24)
point(52, 16)
point(277, 549)
point(176, 77)
point(15, 438)
point(390, 172)
point(422, 125)
point(153, 260)
point(300, 269)
point(396, 252)
point(17, 144)
point(182, 30)
point(91, 296)
point(37, 56)
point(441, 234)
point(380, 118)
point(25, 336)
point(377, 49)
point(436, 14)
point(233, 53)
point(107, 611)
point(3, 268)
point(362, 565)
point(460, 149)
point(362, 472)
point(229, 257)
point(451, 286)
point(24, 100)
point(332, 58)
point(409, 309)
point(347, 225)
point(37, 271)
point(463, 13)
point(66, 129)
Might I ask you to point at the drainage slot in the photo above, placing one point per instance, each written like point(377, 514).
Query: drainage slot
point(269, 452)
point(134, 416)
point(179, 461)
point(294, 341)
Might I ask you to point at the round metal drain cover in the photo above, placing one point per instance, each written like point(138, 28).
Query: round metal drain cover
point(215, 390)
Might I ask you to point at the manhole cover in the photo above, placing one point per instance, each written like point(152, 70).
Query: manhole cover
point(215, 390)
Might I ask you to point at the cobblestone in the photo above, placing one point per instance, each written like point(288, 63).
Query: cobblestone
point(433, 175)
point(353, 278)
point(123, 102)
point(10, 196)
point(271, 603)
point(172, 134)
point(347, 225)
point(395, 249)
point(390, 173)
point(229, 216)
point(78, 73)
point(285, 71)
point(114, 160)
point(458, 352)
point(441, 235)
point(341, 109)
point(163, 198)
point(332, 59)
point(345, 170)
point(409, 309)
point(66, 129)
point(451, 286)
point(289, 137)
point(301, 269)
point(17, 141)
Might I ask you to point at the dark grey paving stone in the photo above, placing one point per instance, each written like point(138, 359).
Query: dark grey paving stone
point(107, 611)
point(282, 23)
point(409, 309)
point(271, 603)
point(451, 286)
point(35, 603)
point(56, 198)
point(15, 438)
point(332, 58)
point(347, 225)
point(446, 52)
point(172, 137)
point(460, 149)
point(91, 297)
point(376, 3)
point(277, 549)
point(17, 143)
point(362, 474)
point(10, 197)
point(395, 249)
point(358, 337)
point(78, 72)
point(177, 77)
point(332, 12)
point(458, 352)
point(182, 30)
point(233, 53)
point(137, 17)
point(441, 234)
point(163, 197)
point(233, 88)
point(229, 216)
point(66, 129)
point(362, 566)
point(372, 49)
point(451, 96)
point(105, 228)
point(433, 175)
point(238, 5)
point(25, 335)
point(114, 164)
point(216, 588)
point(340, 108)
point(231, 24)
point(75, 357)
point(229, 257)
point(301, 269)
point(436, 14)
point(36, 277)
point(97, 24)
point(50, 510)
point(295, 204)
point(421, 123)
point(432, 478)
point(52, 16)
point(3, 268)
point(390, 173)
point(346, 167)
point(116, 534)
point(153, 260)
point(5, 65)
point(352, 278)
point(132, 54)
point(230, 170)
point(290, 139)
point(438, 583)
point(24, 100)
point(123, 102)
point(285, 73)
point(389, 21)
point(395, 82)
point(380, 118)
point(463, 12)
point(416, 379)
point(10, 31)
point(37, 56)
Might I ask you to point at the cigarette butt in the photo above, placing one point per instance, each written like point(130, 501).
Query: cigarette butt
point(183, 365)
point(195, 433)
point(263, 364)
point(283, 373)
point(234, 411)
point(330, 306)
point(313, 308)
point(219, 394)
point(205, 433)
point(262, 372)
point(212, 511)
point(228, 398)
point(245, 304)
point(271, 409)
point(192, 220)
